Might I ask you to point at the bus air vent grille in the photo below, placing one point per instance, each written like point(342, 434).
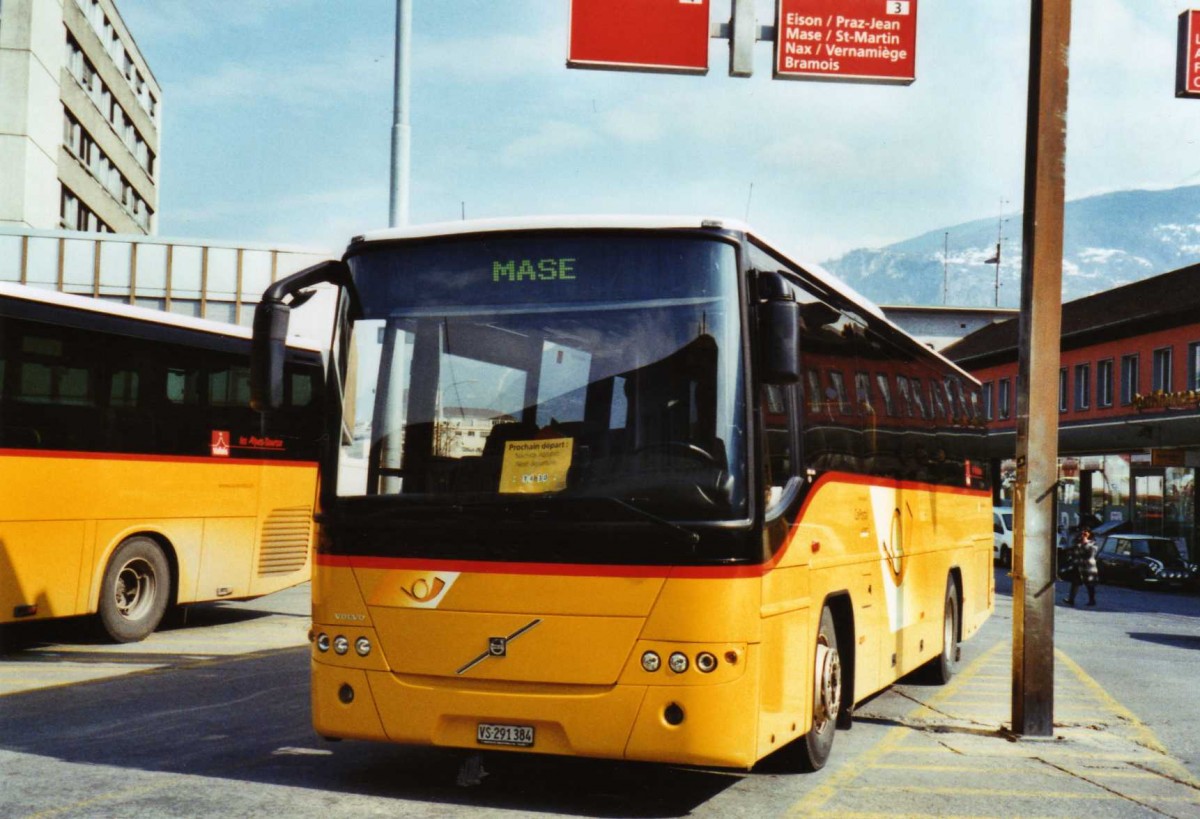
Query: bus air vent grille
point(286, 535)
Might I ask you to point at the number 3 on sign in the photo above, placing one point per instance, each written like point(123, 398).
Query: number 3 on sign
point(898, 7)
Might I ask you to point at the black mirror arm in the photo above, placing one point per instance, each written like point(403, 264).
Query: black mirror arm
point(293, 287)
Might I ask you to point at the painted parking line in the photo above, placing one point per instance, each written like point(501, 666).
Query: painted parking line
point(952, 754)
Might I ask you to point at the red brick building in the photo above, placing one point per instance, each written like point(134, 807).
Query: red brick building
point(1128, 397)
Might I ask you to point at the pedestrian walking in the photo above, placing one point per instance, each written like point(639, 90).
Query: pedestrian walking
point(1084, 571)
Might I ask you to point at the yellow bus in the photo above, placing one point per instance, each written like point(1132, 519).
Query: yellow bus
point(133, 474)
point(637, 488)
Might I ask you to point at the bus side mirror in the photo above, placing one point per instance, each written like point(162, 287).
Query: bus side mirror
point(780, 322)
point(268, 349)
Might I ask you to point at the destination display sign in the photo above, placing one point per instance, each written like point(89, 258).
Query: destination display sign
point(640, 35)
point(1187, 70)
point(850, 40)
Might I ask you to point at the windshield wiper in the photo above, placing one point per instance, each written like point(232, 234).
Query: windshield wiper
point(690, 538)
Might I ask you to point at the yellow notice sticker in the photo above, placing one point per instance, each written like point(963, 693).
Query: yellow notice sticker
point(533, 467)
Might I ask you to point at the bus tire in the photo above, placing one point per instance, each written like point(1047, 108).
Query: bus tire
point(813, 748)
point(135, 590)
point(941, 669)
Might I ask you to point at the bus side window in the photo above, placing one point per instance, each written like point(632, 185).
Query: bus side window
point(779, 442)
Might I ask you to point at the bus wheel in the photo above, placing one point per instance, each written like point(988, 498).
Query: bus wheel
point(813, 748)
point(133, 596)
point(942, 667)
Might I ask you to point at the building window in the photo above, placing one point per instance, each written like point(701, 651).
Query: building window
point(839, 391)
point(1062, 389)
point(904, 391)
point(919, 398)
point(987, 401)
point(1104, 383)
point(885, 390)
point(1161, 377)
point(1005, 406)
point(1129, 378)
point(862, 392)
point(1083, 386)
point(1194, 365)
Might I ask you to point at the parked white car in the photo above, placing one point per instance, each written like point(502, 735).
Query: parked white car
point(1002, 535)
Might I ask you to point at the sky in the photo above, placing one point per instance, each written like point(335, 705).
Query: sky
point(277, 122)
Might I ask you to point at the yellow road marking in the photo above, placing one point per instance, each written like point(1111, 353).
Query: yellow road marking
point(815, 799)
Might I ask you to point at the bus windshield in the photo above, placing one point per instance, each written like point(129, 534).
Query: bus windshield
point(545, 367)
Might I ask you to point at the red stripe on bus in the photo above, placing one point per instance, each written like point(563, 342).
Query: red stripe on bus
point(126, 456)
point(553, 569)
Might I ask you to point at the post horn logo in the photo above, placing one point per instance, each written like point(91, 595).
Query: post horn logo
point(422, 591)
point(893, 548)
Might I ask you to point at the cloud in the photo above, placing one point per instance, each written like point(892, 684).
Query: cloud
point(199, 19)
point(490, 59)
point(551, 139)
point(311, 81)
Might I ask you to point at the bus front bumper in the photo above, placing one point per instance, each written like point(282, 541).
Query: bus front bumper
point(708, 725)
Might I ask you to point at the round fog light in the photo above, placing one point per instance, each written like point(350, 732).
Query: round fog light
point(340, 645)
point(651, 661)
point(322, 642)
point(363, 646)
point(678, 662)
point(346, 694)
point(706, 662)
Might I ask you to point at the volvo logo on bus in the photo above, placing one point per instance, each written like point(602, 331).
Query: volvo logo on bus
point(498, 646)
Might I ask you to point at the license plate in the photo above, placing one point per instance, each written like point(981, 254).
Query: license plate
point(490, 734)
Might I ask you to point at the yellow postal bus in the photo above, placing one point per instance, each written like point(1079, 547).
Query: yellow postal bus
point(133, 474)
point(628, 488)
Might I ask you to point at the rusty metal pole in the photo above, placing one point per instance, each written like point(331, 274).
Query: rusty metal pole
point(1037, 392)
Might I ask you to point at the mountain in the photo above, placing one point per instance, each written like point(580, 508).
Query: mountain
point(1109, 240)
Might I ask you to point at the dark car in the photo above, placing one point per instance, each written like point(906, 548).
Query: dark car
point(1144, 560)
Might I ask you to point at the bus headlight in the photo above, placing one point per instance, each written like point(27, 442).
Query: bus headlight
point(651, 661)
point(706, 662)
point(678, 662)
point(340, 645)
point(322, 642)
point(363, 646)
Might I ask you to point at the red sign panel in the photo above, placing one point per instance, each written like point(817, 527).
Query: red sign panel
point(1187, 71)
point(641, 35)
point(854, 40)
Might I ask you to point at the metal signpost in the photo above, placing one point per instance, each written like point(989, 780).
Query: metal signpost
point(401, 131)
point(1037, 409)
point(871, 41)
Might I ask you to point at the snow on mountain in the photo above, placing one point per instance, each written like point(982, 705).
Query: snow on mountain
point(1109, 240)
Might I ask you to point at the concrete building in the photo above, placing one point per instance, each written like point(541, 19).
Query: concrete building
point(80, 118)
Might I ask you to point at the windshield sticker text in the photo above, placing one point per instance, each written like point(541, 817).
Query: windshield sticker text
point(536, 467)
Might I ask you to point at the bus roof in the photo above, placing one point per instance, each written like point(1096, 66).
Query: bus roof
point(11, 290)
point(641, 222)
